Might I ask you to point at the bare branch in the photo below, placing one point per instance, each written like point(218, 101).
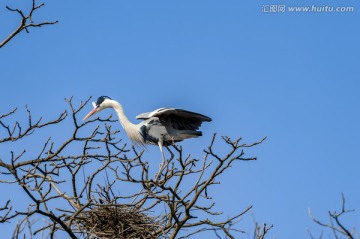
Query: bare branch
point(26, 21)
point(335, 224)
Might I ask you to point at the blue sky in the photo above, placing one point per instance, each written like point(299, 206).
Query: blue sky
point(293, 77)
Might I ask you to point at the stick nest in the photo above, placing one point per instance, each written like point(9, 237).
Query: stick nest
point(118, 221)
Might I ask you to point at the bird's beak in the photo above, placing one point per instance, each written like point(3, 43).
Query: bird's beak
point(94, 111)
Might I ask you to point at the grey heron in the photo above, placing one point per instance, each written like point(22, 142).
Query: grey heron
point(162, 127)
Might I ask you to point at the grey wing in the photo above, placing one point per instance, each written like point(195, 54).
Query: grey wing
point(148, 115)
point(179, 113)
point(143, 116)
point(178, 119)
point(155, 113)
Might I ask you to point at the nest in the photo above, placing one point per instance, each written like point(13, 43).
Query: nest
point(117, 221)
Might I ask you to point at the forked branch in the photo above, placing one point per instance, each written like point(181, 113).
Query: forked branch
point(335, 223)
point(26, 21)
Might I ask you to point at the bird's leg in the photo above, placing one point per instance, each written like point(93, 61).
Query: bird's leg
point(165, 163)
point(161, 166)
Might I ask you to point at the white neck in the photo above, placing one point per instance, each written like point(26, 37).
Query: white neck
point(124, 121)
point(132, 130)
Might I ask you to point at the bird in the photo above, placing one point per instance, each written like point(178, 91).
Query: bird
point(162, 127)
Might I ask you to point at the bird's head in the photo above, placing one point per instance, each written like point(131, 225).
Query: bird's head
point(102, 102)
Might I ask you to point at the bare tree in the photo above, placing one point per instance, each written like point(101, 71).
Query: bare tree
point(26, 21)
point(93, 185)
point(335, 225)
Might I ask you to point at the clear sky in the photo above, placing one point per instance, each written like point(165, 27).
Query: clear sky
point(290, 76)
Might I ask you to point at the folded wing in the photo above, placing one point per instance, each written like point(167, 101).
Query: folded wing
point(178, 118)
